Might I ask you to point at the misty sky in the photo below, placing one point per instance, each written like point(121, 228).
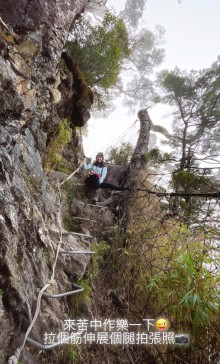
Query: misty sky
point(191, 42)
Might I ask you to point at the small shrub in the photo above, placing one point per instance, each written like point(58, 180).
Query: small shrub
point(62, 137)
point(189, 182)
point(43, 255)
point(156, 156)
point(68, 354)
point(32, 183)
point(121, 154)
point(100, 248)
point(71, 225)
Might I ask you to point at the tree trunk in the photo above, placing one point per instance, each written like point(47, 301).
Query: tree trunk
point(138, 158)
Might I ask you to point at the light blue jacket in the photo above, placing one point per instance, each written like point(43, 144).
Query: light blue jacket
point(100, 171)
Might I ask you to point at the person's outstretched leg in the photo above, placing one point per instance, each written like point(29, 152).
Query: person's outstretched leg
point(110, 186)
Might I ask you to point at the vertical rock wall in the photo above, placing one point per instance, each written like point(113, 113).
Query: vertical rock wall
point(32, 37)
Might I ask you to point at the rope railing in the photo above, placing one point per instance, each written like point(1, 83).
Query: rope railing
point(15, 358)
point(72, 174)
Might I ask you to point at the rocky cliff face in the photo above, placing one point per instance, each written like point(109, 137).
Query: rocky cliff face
point(32, 38)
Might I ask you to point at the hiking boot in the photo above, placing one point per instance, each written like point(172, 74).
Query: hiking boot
point(95, 197)
point(127, 188)
point(130, 188)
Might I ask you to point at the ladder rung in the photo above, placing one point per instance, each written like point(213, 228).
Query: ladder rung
point(90, 204)
point(48, 346)
point(76, 252)
point(59, 295)
point(79, 234)
point(83, 218)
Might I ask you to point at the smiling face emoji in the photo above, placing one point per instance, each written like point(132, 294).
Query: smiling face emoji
point(162, 324)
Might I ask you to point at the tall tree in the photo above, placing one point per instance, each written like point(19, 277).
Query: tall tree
point(195, 98)
point(115, 60)
point(146, 54)
point(133, 11)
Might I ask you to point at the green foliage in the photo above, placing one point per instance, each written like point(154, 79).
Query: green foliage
point(187, 182)
point(1, 293)
point(99, 49)
point(121, 154)
point(71, 192)
point(68, 354)
point(177, 85)
point(195, 100)
point(156, 156)
point(65, 166)
point(82, 130)
point(62, 136)
point(108, 50)
point(43, 255)
point(72, 353)
point(191, 297)
point(171, 270)
point(82, 297)
point(172, 275)
point(70, 224)
point(32, 183)
point(100, 248)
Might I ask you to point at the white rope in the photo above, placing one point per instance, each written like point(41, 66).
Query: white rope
point(7, 28)
point(72, 174)
point(15, 358)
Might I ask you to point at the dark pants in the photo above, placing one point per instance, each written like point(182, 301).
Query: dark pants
point(92, 184)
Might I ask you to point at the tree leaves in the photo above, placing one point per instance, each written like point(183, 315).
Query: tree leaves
point(121, 154)
point(133, 12)
point(99, 49)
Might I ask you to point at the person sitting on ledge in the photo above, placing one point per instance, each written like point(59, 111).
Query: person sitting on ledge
point(96, 177)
